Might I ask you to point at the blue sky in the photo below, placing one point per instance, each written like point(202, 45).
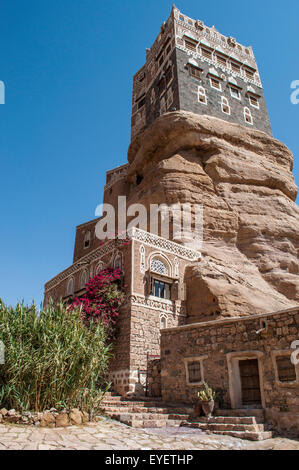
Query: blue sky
point(67, 66)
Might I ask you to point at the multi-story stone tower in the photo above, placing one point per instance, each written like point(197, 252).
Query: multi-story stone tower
point(226, 314)
point(192, 67)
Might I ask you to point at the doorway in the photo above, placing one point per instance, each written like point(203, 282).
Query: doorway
point(250, 382)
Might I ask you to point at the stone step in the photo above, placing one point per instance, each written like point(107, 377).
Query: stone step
point(250, 436)
point(139, 420)
point(256, 412)
point(215, 427)
point(229, 420)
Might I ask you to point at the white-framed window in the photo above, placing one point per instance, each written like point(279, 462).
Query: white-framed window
point(221, 60)
point(215, 83)
point(235, 93)
point(201, 95)
point(248, 116)
point(235, 67)
point(83, 279)
point(194, 370)
point(70, 286)
point(225, 107)
point(249, 74)
point(163, 321)
point(254, 102)
point(191, 45)
point(87, 237)
point(207, 53)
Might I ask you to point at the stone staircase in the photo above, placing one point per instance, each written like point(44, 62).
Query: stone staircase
point(144, 413)
point(153, 413)
point(244, 423)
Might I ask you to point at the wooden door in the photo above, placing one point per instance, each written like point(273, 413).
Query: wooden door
point(250, 382)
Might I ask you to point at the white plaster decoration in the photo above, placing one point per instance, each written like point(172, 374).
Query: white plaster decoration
point(163, 321)
point(157, 266)
point(162, 243)
point(176, 267)
point(142, 259)
point(162, 305)
point(192, 61)
point(96, 254)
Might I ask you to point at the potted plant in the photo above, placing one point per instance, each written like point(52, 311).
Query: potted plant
point(207, 398)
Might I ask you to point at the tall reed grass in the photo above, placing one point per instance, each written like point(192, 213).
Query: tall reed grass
point(51, 359)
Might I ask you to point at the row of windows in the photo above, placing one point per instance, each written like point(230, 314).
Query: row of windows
point(215, 83)
point(225, 107)
point(214, 33)
point(286, 370)
point(219, 58)
point(85, 275)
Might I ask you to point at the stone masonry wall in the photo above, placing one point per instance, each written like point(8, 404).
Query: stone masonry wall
point(215, 342)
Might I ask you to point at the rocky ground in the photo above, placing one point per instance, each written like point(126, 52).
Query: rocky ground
point(111, 435)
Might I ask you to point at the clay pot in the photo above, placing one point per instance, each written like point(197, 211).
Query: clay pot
point(197, 409)
point(208, 407)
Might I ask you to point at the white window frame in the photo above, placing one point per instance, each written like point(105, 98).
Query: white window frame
point(200, 359)
point(202, 92)
point(247, 112)
point(212, 86)
point(224, 102)
point(235, 89)
point(253, 105)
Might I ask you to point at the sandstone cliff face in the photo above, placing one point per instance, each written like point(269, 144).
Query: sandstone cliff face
point(243, 178)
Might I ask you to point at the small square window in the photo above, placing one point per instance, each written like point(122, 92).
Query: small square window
point(235, 67)
point(191, 45)
point(195, 71)
point(249, 74)
point(254, 101)
point(194, 371)
point(206, 53)
point(215, 83)
point(221, 60)
point(235, 93)
point(286, 370)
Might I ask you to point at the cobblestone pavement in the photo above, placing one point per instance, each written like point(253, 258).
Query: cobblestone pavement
point(111, 435)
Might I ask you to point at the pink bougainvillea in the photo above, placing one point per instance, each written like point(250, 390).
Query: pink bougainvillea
point(102, 299)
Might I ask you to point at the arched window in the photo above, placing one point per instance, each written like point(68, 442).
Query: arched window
point(70, 286)
point(163, 321)
point(118, 262)
point(201, 95)
point(225, 107)
point(83, 279)
point(159, 267)
point(248, 116)
point(99, 268)
point(87, 240)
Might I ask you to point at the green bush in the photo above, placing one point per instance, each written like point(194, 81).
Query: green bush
point(51, 359)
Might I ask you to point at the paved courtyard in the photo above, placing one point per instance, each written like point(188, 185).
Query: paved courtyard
point(111, 435)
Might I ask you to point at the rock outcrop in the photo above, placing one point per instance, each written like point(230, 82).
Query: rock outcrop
point(243, 179)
